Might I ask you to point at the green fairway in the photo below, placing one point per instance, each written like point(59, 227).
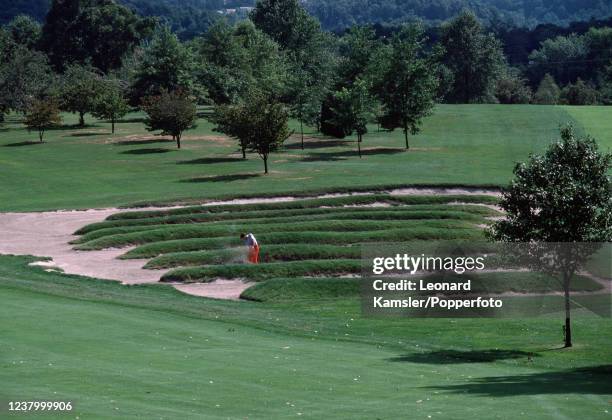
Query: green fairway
point(459, 144)
point(150, 352)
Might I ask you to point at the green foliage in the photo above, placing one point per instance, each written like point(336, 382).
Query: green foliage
point(354, 109)
point(41, 115)
point(166, 64)
point(25, 31)
point(579, 93)
point(233, 59)
point(548, 92)
point(511, 88)
point(99, 32)
point(111, 103)
point(170, 112)
point(260, 123)
point(25, 76)
point(409, 84)
point(563, 196)
point(474, 58)
point(81, 88)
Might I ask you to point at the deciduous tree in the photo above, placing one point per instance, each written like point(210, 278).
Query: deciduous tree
point(171, 112)
point(41, 115)
point(563, 196)
point(111, 103)
point(409, 84)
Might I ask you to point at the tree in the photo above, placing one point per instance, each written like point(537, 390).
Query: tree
point(111, 104)
point(562, 57)
point(409, 83)
point(548, 92)
point(563, 196)
point(286, 22)
point(579, 93)
point(233, 59)
point(260, 123)
point(511, 88)
point(26, 76)
point(81, 87)
point(166, 64)
point(172, 112)
point(99, 32)
point(474, 58)
point(25, 31)
point(355, 109)
point(41, 115)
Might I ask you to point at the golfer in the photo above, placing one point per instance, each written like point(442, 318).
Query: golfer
point(250, 241)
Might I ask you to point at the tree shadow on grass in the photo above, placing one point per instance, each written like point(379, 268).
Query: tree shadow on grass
point(457, 356)
point(72, 127)
point(87, 134)
point(318, 144)
point(589, 380)
point(204, 161)
point(346, 154)
point(146, 151)
point(22, 143)
point(128, 121)
point(139, 142)
point(222, 178)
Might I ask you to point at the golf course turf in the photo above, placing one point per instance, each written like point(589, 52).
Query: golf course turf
point(296, 344)
point(149, 351)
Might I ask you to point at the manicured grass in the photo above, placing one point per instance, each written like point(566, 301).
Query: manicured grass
point(150, 352)
point(89, 167)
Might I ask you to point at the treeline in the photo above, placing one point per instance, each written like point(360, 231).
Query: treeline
point(100, 57)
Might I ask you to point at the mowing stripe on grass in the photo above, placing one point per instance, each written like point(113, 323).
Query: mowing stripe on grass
point(269, 253)
point(335, 238)
point(311, 203)
point(259, 272)
point(203, 230)
point(271, 214)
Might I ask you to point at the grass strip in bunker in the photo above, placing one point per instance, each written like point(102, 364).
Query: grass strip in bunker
point(269, 253)
point(410, 211)
point(312, 203)
point(191, 231)
point(310, 237)
point(264, 271)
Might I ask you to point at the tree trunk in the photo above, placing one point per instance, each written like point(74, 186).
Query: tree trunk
point(568, 327)
point(82, 119)
point(302, 130)
point(113, 126)
point(406, 138)
point(243, 151)
point(178, 141)
point(359, 144)
point(40, 134)
point(265, 159)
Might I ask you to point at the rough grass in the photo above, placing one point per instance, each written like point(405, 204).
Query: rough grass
point(468, 212)
point(264, 271)
point(215, 230)
point(312, 203)
point(269, 253)
point(333, 238)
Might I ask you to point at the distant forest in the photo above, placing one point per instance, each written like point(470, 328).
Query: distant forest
point(189, 18)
